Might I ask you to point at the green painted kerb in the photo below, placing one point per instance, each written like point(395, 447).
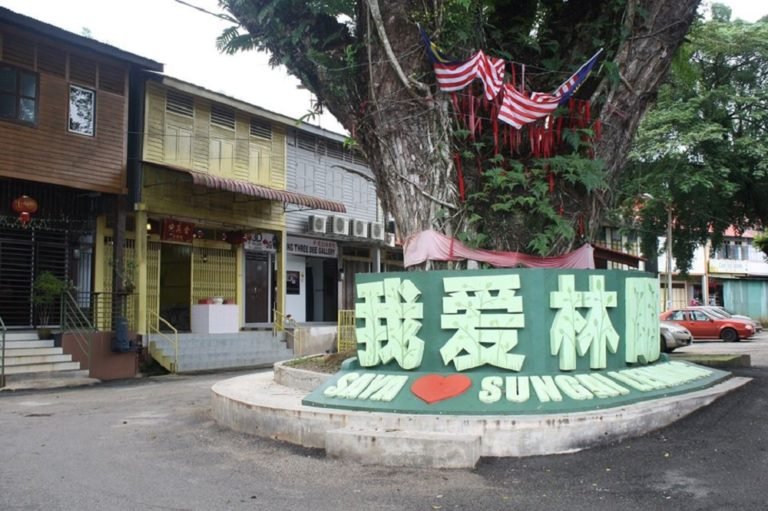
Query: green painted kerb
point(507, 342)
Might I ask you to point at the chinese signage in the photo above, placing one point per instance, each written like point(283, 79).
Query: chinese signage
point(311, 247)
point(507, 342)
point(728, 266)
point(174, 230)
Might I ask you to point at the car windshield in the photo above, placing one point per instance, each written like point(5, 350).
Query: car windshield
point(717, 311)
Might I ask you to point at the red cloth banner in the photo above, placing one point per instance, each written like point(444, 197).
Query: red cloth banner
point(433, 246)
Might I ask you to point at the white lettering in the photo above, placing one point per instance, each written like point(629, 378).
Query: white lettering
point(490, 389)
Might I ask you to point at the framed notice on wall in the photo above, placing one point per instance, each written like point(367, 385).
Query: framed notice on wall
point(292, 283)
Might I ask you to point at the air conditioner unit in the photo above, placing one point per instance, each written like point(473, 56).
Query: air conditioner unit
point(340, 225)
point(377, 231)
point(390, 239)
point(317, 224)
point(359, 229)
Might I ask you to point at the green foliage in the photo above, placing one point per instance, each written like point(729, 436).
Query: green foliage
point(518, 197)
point(760, 241)
point(47, 291)
point(702, 151)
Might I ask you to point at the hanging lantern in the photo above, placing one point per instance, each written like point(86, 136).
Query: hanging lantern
point(25, 206)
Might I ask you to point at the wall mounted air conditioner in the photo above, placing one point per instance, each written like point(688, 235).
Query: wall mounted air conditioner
point(377, 231)
point(390, 239)
point(359, 229)
point(340, 225)
point(317, 224)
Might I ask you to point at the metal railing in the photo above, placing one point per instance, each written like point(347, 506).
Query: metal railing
point(172, 340)
point(3, 330)
point(346, 335)
point(75, 321)
point(278, 324)
point(103, 308)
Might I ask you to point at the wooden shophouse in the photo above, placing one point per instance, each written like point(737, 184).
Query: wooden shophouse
point(66, 108)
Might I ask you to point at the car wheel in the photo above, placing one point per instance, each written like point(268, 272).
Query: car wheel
point(664, 348)
point(729, 335)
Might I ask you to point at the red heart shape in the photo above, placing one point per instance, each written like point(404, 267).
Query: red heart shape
point(432, 388)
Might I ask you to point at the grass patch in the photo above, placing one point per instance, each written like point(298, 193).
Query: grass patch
point(328, 363)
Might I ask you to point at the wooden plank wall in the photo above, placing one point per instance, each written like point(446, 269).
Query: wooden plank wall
point(47, 152)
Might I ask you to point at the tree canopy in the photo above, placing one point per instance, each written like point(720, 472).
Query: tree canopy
point(703, 150)
point(365, 62)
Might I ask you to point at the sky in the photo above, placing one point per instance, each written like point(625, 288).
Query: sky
point(184, 40)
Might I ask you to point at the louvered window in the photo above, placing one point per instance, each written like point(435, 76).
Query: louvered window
point(18, 94)
point(307, 142)
point(52, 60)
point(112, 79)
point(178, 103)
point(335, 150)
point(221, 116)
point(261, 129)
point(82, 70)
point(18, 50)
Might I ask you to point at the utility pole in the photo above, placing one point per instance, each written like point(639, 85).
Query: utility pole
point(669, 256)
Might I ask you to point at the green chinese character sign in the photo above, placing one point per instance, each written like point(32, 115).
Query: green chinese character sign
point(507, 341)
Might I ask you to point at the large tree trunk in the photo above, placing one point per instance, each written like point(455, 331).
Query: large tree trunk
point(404, 130)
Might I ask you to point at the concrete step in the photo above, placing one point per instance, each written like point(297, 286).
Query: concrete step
point(50, 380)
point(25, 360)
point(20, 336)
point(52, 367)
point(11, 344)
point(401, 448)
point(23, 352)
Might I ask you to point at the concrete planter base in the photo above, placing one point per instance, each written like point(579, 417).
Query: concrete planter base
point(258, 405)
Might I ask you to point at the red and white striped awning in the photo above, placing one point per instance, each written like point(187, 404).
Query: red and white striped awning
point(259, 191)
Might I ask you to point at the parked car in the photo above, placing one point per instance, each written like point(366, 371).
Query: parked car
point(673, 336)
point(719, 308)
point(705, 324)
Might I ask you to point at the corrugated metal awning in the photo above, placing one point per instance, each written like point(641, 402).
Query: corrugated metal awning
point(262, 192)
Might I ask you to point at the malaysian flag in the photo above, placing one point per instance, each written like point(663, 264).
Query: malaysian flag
point(568, 87)
point(518, 109)
point(453, 77)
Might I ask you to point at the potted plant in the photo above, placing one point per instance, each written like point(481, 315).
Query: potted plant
point(48, 289)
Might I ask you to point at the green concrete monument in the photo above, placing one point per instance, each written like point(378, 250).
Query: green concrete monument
point(507, 342)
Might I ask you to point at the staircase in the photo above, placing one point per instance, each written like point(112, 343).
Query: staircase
point(213, 352)
point(27, 358)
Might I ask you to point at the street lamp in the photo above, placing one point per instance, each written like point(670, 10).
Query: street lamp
point(669, 249)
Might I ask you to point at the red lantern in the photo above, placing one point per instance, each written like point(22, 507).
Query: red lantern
point(25, 206)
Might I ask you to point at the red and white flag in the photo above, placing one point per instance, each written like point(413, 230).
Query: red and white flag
point(453, 77)
point(518, 108)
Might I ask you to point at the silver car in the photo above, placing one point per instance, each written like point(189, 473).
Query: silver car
point(674, 336)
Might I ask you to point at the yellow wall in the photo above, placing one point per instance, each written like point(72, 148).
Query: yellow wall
point(193, 143)
point(196, 144)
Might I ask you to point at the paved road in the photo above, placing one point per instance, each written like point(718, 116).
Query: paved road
point(756, 347)
point(151, 444)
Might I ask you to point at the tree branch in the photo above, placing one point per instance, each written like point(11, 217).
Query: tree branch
point(373, 7)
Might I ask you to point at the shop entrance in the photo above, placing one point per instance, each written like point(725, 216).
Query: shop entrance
point(321, 289)
point(175, 284)
point(259, 287)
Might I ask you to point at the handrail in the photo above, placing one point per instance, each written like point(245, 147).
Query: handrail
point(74, 320)
point(174, 341)
point(346, 333)
point(278, 324)
point(3, 329)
